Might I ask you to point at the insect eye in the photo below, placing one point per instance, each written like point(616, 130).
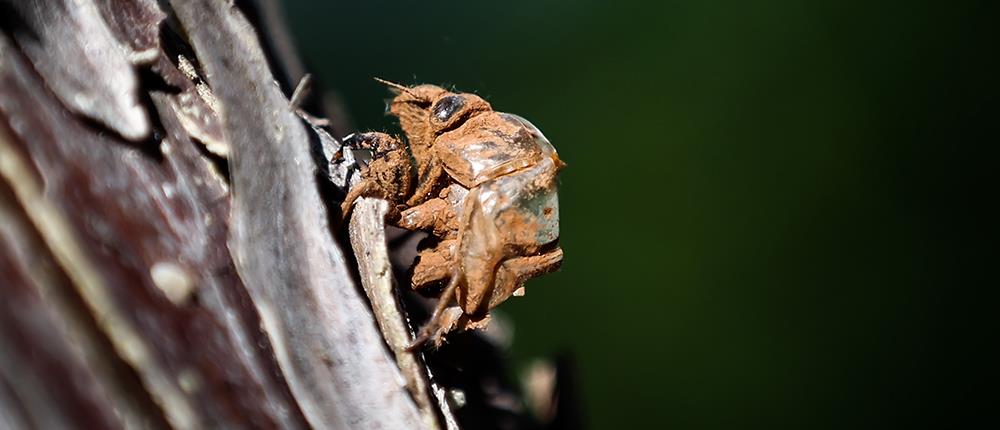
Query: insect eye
point(447, 106)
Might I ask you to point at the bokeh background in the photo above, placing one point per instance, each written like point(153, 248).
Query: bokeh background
point(772, 213)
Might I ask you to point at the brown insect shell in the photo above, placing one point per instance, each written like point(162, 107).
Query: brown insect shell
point(449, 110)
point(514, 202)
point(487, 145)
point(519, 189)
point(514, 215)
point(412, 107)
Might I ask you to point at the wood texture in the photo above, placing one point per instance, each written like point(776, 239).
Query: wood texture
point(116, 224)
point(168, 251)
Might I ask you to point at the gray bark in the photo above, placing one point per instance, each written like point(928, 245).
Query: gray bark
point(124, 306)
point(168, 241)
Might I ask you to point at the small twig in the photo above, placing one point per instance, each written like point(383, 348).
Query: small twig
point(301, 90)
point(299, 95)
point(367, 231)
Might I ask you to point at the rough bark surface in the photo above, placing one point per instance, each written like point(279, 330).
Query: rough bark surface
point(168, 254)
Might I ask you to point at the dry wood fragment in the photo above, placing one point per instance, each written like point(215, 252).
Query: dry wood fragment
point(367, 230)
point(72, 47)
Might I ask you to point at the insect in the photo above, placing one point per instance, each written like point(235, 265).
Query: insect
point(482, 183)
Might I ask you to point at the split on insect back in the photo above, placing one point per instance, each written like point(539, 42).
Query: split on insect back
point(482, 183)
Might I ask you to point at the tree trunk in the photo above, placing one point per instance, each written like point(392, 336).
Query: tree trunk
point(169, 245)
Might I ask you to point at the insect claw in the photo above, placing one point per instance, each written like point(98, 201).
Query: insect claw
point(417, 343)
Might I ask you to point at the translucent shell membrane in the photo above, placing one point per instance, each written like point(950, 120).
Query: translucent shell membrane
point(543, 144)
point(525, 204)
point(518, 190)
point(487, 146)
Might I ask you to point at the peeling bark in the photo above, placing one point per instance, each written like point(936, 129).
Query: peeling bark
point(168, 253)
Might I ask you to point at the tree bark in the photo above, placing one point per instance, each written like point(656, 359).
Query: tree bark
point(169, 241)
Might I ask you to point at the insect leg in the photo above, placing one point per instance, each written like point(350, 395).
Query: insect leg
point(435, 214)
point(359, 190)
point(512, 273)
point(433, 325)
point(389, 173)
point(433, 265)
point(428, 183)
point(379, 143)
point(480, 250)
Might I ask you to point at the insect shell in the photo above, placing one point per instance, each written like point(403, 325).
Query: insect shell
point(483, 183)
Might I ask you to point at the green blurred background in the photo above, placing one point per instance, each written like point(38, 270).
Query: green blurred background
point(769, 212)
